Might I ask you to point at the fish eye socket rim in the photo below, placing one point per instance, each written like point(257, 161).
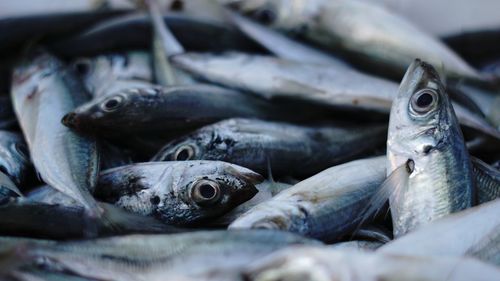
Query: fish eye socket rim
point(198, 197)
point(120, 99)
point(191, 152)
point(423, 110)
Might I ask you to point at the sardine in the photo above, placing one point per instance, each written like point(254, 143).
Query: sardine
point(474, 232)
point(8, 190)
point(282, 148)
point(364, 32)
point(202, 255)
point(487, 181)
point(317, 264)
point(43, 90)
point(430, 174)
point(179, 193)
point(325, 206)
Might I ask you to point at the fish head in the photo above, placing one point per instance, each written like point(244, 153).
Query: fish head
point(111, 111)
point(206, 189)
point(421, 115)
point(14, 157)
point(180, 192)
point(290, 15)
point(191, 147)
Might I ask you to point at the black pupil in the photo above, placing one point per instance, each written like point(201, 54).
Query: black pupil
point(424, 100)
point(82, 68)
point(177, 5)
point(111, 103)
point(265, 16)
point(207, 191)
point(183, 154)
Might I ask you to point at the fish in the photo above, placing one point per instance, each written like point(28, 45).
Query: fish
point(164, 45)
point(163, 110)
point(192, 33)
point(108, 74)
point(326, 206)
point(50, 196)
point(43, 91)
point(266, 190)
point(282, 148)
point(62, 222)
point(357, 245)
point(429, 169)
point(363, 32)
point(14, 157)
point(312, 263)
point(178, 192)
point(473, 233)
point(281, 45)
point(201, 255)
point(322, 84)
point(487, 181)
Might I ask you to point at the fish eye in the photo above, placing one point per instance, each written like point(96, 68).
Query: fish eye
point(21, 150)
point(205, 192)
point(183, 153)
point(265, 16)
point(424, 100)
point(112, 103)
point(82, 66)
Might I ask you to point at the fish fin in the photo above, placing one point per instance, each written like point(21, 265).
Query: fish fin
point(392, 186)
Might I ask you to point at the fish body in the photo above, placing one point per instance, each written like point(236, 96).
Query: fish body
point(14, 157)
point(487, 180)
point(284, 148)
point(178, 192)
point(325, 206)
point(43, 91)
point(426, 144)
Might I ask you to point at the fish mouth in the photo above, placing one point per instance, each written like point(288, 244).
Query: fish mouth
point(70, 120)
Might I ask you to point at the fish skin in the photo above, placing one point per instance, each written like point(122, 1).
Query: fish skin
point(167, 190)
point(441, 181)
point(61, 222)
point(107, 74)
point(284, 148)
point(326, 85)
point(43, 90)
point(14, 157)
point(8, 190)
point(308, 207)
point(312, 263)
point(474, 232)
point(201, 255)
point(487, 180)
point(164, 110)
point(364, 32)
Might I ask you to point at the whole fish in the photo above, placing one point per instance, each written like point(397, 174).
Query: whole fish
point(487, 181)
point(111, 73)
point(281, 148)
point(325, 206)
point(179, 193)
point(40, 220)
point(365, 32)
point(43, 91)
point(474, 232)
point(428, 163)
point(192, 33)
point(327, 85)
point(307, 263)
point(202, 255)
point(14, 157)
point(160, 111)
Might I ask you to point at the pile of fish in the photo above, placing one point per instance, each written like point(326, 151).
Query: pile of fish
point(246, 140)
